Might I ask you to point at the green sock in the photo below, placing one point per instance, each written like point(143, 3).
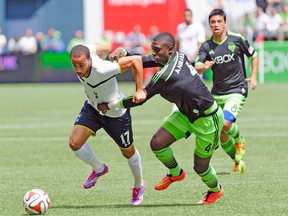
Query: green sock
point(167, 158)
point(209, 177)
point(235, 133)
point(229, 147)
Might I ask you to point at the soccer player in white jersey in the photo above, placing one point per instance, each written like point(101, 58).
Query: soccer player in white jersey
point(189, 36)
point(98, 77)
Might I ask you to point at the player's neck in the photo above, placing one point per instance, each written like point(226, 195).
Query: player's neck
point(220, 38)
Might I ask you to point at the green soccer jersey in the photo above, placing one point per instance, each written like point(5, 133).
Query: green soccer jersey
point(229, 72)
point(179, 83)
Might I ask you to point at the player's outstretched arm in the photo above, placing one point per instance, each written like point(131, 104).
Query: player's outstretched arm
point(135, 64)
point(124, 103)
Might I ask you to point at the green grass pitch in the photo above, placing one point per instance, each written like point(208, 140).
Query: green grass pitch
point(35, 123)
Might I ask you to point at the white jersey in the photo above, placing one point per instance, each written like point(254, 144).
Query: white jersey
point(101, 86)
point(189, 37)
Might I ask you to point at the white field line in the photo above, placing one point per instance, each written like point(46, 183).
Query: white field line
point(142, 122)
point(106, 137)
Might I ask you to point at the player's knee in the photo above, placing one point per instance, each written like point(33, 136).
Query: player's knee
point(199, 169)
point(74, 144)
point(128, 153)
point(227, 125)
point(155, 143)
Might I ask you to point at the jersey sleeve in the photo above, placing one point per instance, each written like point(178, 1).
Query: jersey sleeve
point(105, 67)
point(202, 55)
point(152, 88)
point(148, 61)
point(249, 51)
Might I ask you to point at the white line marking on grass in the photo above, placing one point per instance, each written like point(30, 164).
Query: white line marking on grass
point(21, 139)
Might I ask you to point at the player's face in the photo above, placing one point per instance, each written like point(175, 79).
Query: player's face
point(217, 24)
point(81, 65)
point(161, 52)
point(188, 17)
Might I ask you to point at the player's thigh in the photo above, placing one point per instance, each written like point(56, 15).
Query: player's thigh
point(119, 129)
point(89, 118)
point(178, 125)
point(232, 105)
point(79, 136)
point(162, 139)
point(207, 131)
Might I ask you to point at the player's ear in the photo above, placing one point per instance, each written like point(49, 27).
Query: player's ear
point(170, 50)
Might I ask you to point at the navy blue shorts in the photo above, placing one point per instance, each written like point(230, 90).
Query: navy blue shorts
point(119, 129)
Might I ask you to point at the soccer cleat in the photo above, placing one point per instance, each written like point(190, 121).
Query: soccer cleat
point(239, 167)
point(137, 195)
point(211, 197)
point(240, 151)
point(92, 178)
point(169, 179)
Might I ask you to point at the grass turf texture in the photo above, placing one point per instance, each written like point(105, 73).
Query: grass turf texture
point(36, 120)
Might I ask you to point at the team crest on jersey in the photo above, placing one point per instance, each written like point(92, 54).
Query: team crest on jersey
point(96, 95)
point(211, 52)
point(196, 111)
point(232, 46)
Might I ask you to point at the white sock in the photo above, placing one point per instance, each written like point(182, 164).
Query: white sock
point(86, 154)
point(135, 165)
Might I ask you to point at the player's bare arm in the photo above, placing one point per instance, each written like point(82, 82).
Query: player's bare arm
point(135, 64)
point(102, 51)
point(253, 78)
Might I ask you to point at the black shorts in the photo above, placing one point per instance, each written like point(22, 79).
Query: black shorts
point(119, 129)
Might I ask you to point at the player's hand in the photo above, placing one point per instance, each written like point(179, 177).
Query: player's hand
point(139, 96)
point(117, 53)
point(253, 82)
point(103, 107)
point(208, 64)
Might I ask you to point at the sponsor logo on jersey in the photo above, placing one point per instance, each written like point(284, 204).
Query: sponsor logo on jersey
point(224, 59)
point(196, 111)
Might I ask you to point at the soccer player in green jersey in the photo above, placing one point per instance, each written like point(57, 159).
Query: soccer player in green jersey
point(224, 52)
point(198, 113)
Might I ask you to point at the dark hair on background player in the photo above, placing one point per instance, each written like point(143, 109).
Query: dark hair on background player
point(188, 10)
point(215, 12)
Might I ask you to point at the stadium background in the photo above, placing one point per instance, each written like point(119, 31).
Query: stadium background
point(96, 17)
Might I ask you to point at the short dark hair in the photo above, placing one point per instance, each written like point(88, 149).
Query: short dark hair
point(188, 10)
point(80, 50)
point(215, 12)
point(165, 37)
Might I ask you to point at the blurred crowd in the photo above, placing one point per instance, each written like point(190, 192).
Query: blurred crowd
point(268, 22)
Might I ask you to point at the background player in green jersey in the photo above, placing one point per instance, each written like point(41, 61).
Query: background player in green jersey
point(198, 113)
point(224, 53)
